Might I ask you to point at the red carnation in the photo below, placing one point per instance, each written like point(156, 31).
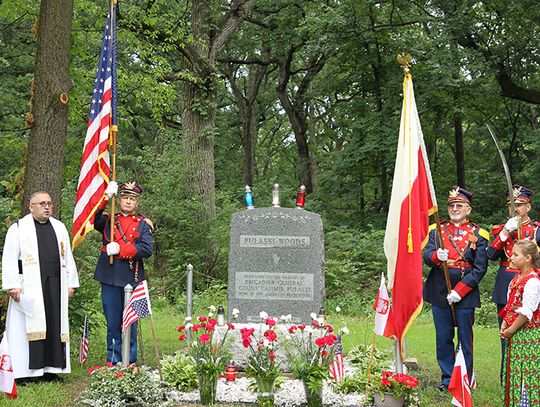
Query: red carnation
point(246, 342)
point(301, 327)
point(270, 321)
point(292, 329)
point(202, 318)
point(182, 337)
point(181, 328)
point(270, 335)
point(231, 326)
point(204, 338)
point(329, 328)
point(330, 339)
point(320, 342)
point(272, 356)
point(119, 374)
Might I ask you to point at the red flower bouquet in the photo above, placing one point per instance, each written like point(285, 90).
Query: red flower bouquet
point(400, 385)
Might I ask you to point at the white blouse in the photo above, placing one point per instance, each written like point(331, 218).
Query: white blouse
point(531, 298)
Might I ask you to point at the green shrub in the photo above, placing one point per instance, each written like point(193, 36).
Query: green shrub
point(178, 370)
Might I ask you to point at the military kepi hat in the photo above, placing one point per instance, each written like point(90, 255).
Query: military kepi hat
point(130, 188)
point(520, 193)
point(458, 194)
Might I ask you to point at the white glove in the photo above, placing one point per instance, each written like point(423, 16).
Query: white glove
point(453, 297)
point(511, 224)
point(112, 188)
point(113, 249)
point(442, 254)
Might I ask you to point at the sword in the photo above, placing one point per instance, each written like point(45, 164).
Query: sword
point(507, 174)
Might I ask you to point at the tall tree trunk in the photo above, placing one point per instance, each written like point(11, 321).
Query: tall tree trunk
point(198, 146)
point(247, 108)
point(460, 150)
point(49, 103)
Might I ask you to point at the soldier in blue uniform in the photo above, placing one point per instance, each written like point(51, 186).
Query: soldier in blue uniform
point(465, 253)
point(519, 226)
point(132, 242)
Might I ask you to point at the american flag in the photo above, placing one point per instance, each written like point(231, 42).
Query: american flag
point(83, 349)
point(138, 305)
point(95, 167)
point(337, 369)
point(524, 402)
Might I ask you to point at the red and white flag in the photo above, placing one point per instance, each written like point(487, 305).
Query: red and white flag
point(337, 368)
point(7, 378)
point(459, 385)
point(384, 317)
point(138, 305)
point(412, 201)
point(95, 167)
point(83, 349)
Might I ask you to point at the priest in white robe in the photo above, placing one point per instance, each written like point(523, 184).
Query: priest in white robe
point(39, 273)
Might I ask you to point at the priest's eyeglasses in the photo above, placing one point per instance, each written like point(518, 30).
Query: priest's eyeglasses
point(43, 204)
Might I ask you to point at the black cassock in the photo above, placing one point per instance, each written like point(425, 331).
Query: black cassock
point(50, 351)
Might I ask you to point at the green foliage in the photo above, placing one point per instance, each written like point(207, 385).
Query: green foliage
point(119, 386)
point(179, 371)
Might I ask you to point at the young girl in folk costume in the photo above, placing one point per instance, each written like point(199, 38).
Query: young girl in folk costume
point(521, 327)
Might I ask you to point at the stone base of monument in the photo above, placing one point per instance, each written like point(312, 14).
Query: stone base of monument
point(240, 354)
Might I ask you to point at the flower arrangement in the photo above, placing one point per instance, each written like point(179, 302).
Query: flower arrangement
point(310, 350)
point(262, 347)
point(118, 385)
point(400, 385)
point(207, 350)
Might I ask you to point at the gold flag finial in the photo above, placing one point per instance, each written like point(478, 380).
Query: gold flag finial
point(405, 61)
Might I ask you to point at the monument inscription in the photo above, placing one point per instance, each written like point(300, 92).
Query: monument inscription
point(276, 263)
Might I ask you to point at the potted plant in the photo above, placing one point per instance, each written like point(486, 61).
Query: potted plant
point(207, 351)
point(261, 363)
point(310, 351)
point(393, 389)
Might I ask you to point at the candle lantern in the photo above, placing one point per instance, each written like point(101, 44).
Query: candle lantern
point(221, 316)
point(248, 198)
point(275, 196)
point(231, 371)
point(301, 197)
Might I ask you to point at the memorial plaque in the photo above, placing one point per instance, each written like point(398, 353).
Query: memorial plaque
point(276, 264)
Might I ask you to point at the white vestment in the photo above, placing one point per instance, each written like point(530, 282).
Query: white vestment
point(16, 320)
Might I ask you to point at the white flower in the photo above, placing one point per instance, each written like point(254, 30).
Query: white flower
point(345, 330)
point(188, 325)
point(308, 329)
point(235, 313)
point(210, 314)
point(338, 309)
point(313, 316)
point(320, 321)
point(286, 318)
point(266, 342)
point(263, 315)
point(187, 319)
point(212, 308)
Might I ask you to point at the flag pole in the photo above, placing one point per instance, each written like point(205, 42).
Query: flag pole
point(154, 337)
point(445, 265)
point(113, 128)
point(371, 360)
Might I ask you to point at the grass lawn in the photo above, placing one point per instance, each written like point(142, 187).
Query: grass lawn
point(420, 341)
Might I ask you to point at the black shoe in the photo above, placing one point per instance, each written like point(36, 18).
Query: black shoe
point(442, 387)
point(23, 381)
point(52, 377)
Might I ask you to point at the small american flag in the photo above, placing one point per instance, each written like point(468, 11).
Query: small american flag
point(524, 402)
point(83, 350)
point(138, 305)
point(337, 369)
point(95, 163)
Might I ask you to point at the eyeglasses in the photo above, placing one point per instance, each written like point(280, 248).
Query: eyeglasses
point(458, 206)
point(43, 204)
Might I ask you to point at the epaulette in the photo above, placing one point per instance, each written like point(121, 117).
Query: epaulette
point(481, 231)
point(432, 226)
point(495, 230)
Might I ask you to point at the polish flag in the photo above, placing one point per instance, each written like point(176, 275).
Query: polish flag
point(459, 385)
point(7, 378)
point(384, 318)
point(412, 201)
